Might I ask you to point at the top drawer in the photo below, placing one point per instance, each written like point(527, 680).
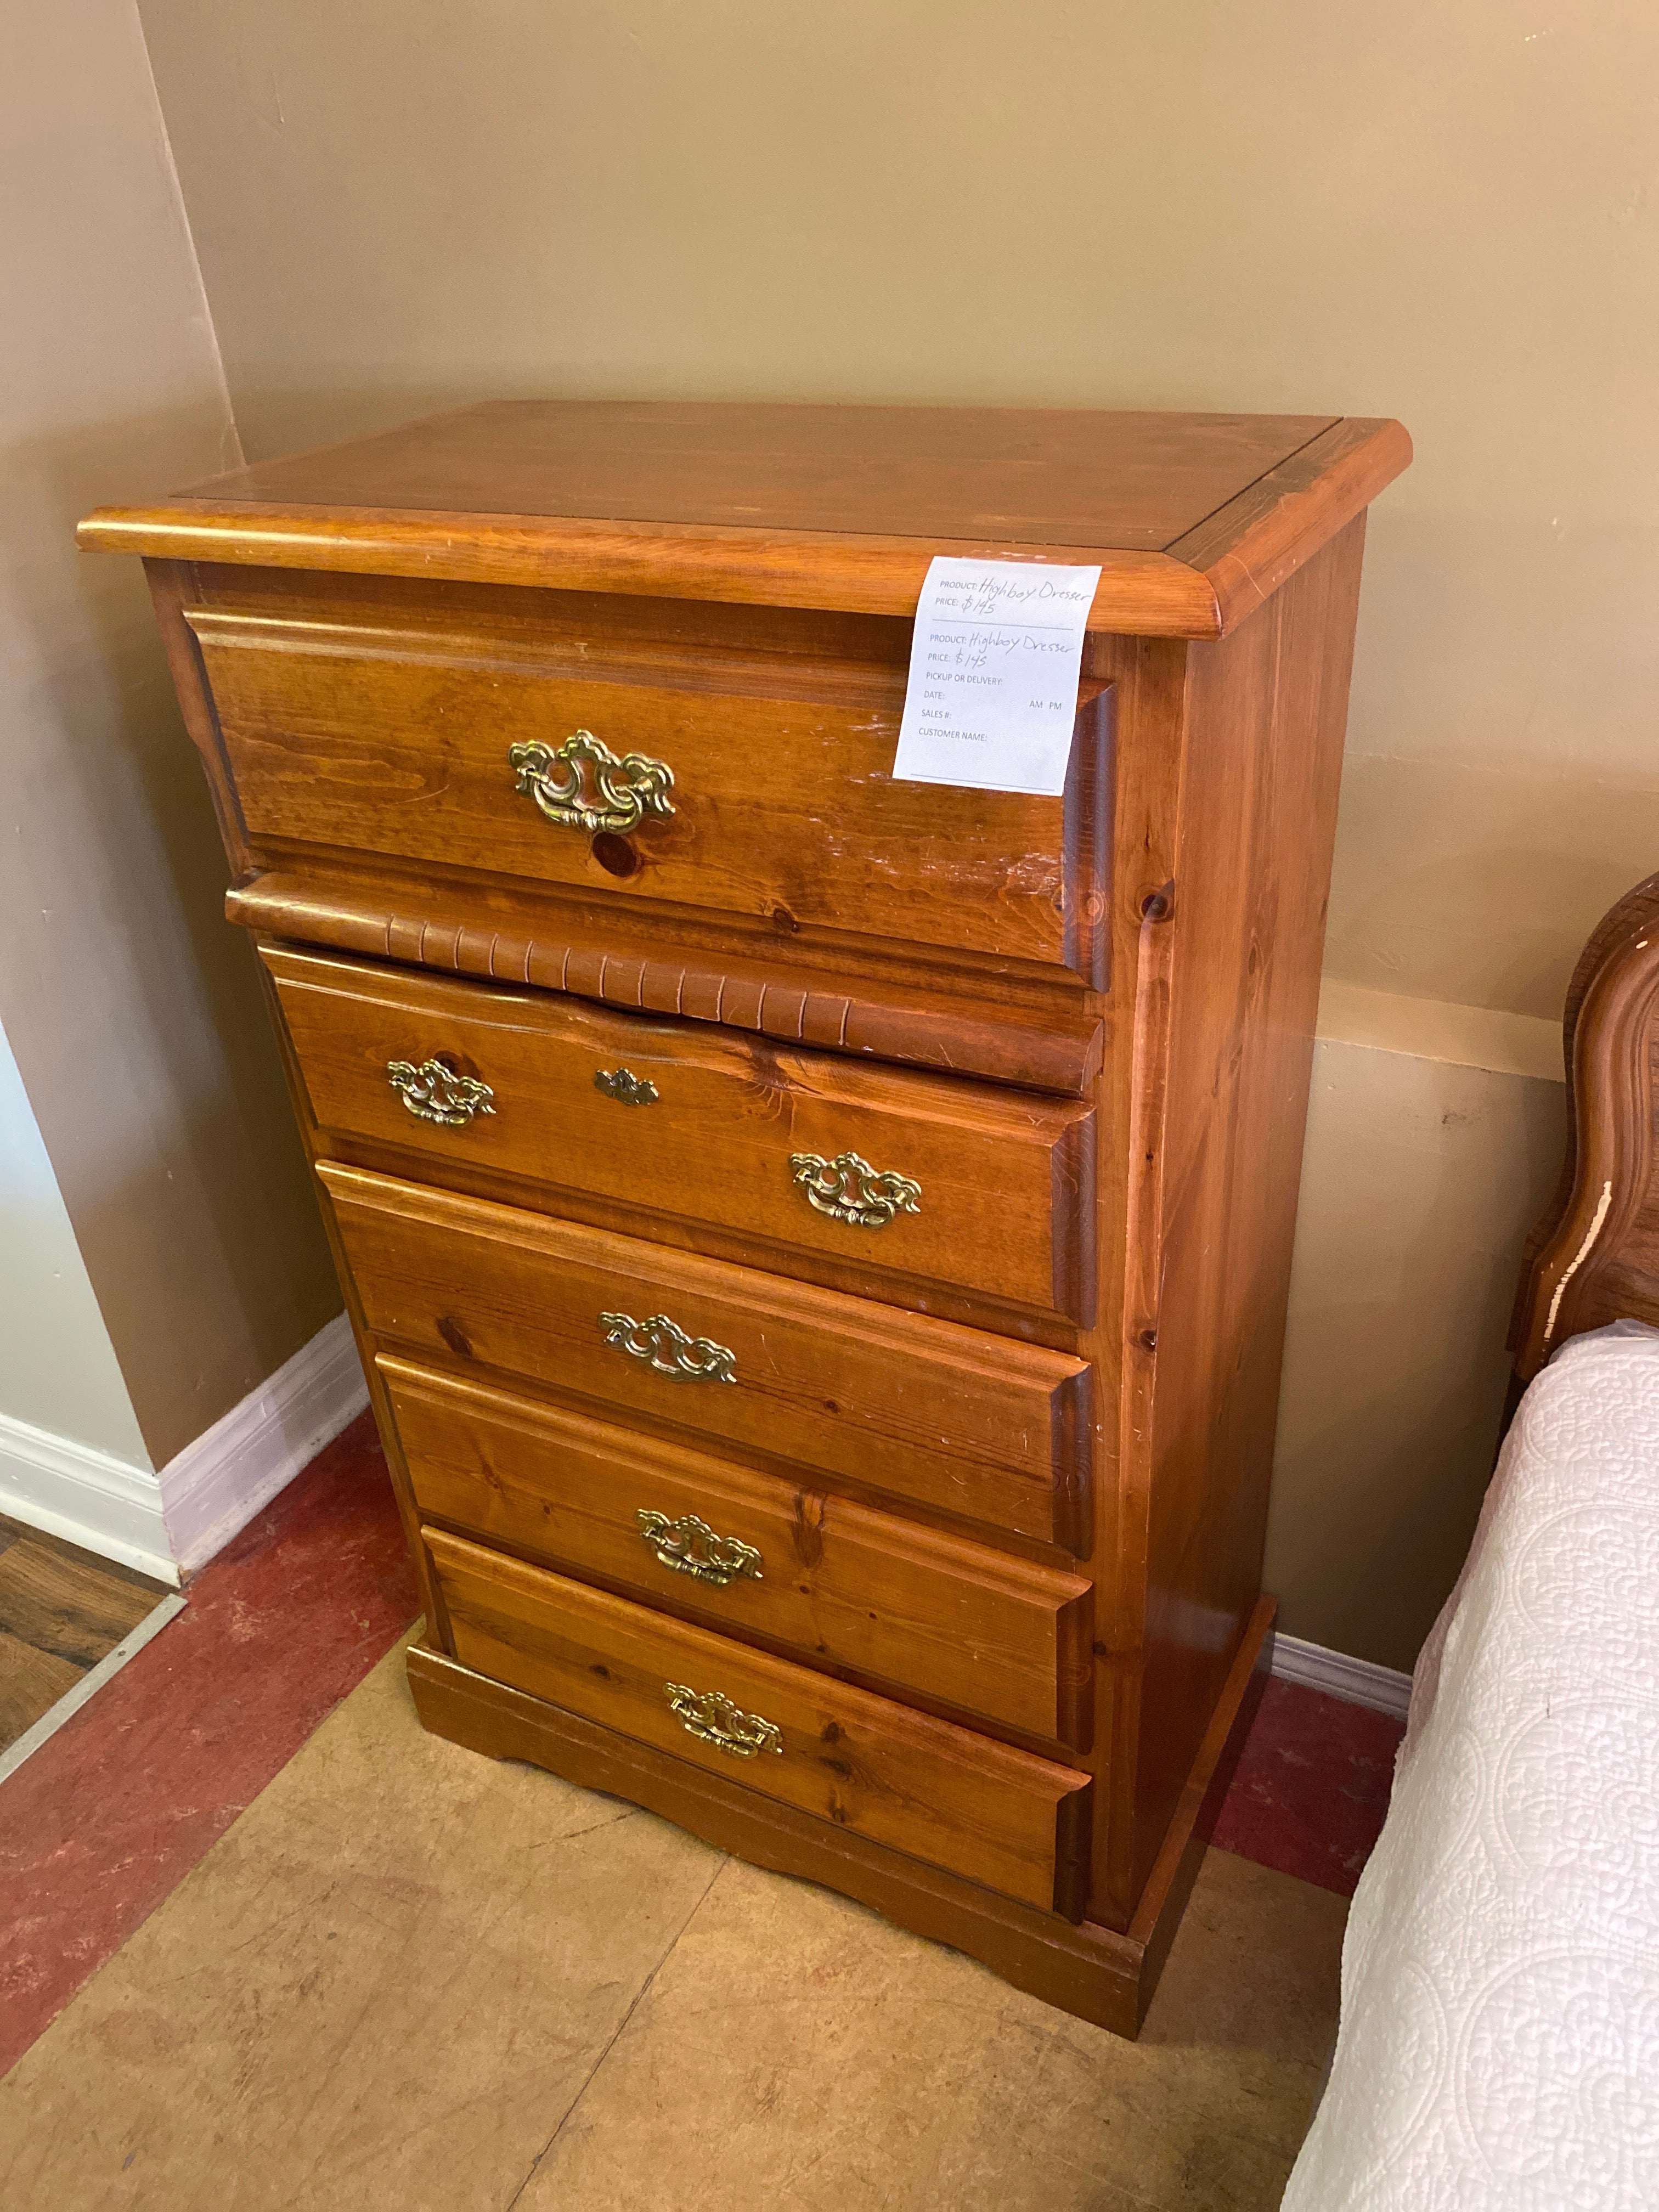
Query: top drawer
point(752, 785)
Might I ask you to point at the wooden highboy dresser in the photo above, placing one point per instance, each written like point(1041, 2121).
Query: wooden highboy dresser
point(818, 1243)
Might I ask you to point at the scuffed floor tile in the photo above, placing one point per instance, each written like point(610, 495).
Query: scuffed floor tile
point(410, 1978)
point(383, 1987)
point(795, 2050)
point(110, 1815)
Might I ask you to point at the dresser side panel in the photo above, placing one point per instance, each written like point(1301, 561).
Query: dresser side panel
point(1150, 679)
point(1266, 711)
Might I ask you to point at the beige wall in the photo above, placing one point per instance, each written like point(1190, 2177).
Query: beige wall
point(1419, 1180)
point(58, 1372)
point(129, 1005)
point(1444, 209)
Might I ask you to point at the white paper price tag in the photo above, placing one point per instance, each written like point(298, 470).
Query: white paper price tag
point(994, 667)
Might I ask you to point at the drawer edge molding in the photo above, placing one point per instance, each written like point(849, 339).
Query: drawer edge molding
point(831, 1011)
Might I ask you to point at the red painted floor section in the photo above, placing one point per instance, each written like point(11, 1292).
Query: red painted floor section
point(112, 1812)
point(101, 1825)
point(1312, 1787)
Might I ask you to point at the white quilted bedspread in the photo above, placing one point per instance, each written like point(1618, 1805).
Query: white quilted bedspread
point(1499, 2044)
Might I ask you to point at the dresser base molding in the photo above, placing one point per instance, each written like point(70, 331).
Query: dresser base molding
point(1094, 1972)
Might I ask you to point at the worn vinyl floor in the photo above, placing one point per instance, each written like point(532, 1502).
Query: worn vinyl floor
point(61, 1612)
point(409, 1977)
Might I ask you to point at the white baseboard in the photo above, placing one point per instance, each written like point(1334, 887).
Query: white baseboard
point(85, 1496)
point(1357, 1682)
point(215, 1486)
point(170, 1523)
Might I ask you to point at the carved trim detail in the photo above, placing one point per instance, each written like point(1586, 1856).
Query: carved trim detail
point(881, 1023)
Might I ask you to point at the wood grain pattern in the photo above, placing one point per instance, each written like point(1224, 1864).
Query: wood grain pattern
point(1001, 1176)
point(62, 1610)
point(829, 987)
point(838, 508)
point(1150, 678)
point(783, 808)
point(898, 1607)
point(1009, 474)
point(31, 1683)
point(66, 1602)
point(763, 651)
point(1230, 974)
point(1259, 540)
point(974, 1426)
point(408, 1512)
point(998, 1816)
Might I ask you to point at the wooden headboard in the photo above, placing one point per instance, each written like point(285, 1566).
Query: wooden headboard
point(1594, 1256)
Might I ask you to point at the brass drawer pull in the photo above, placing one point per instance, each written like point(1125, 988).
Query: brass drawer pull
point(625, 1087)
point(432, 1092)
point(716, 1720)
point(668, 1349)
point(625, 789)
point(690, 1547)
point(848, 1189)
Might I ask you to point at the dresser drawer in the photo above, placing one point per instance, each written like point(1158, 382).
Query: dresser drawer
point(976, 1425)
point(1004, 1640)
point(751, 785)
point(1006, 1818)
point(917, 1177)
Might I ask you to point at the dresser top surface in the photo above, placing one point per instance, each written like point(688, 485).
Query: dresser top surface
point(1194, 516)
point(1008, 475)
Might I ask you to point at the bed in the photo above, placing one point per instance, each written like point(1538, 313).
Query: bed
point(1500, 2038)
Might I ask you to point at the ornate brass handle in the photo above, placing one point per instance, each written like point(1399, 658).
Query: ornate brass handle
point(848, 1189)
point(625, 1087)
point(716, 1720)
point(625, 790)
point(668, 1349)
point(690, 1547)
point(432, 1092)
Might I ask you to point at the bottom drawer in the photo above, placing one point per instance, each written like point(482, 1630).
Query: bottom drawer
point(1015, 1822)
point(921, 1613)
